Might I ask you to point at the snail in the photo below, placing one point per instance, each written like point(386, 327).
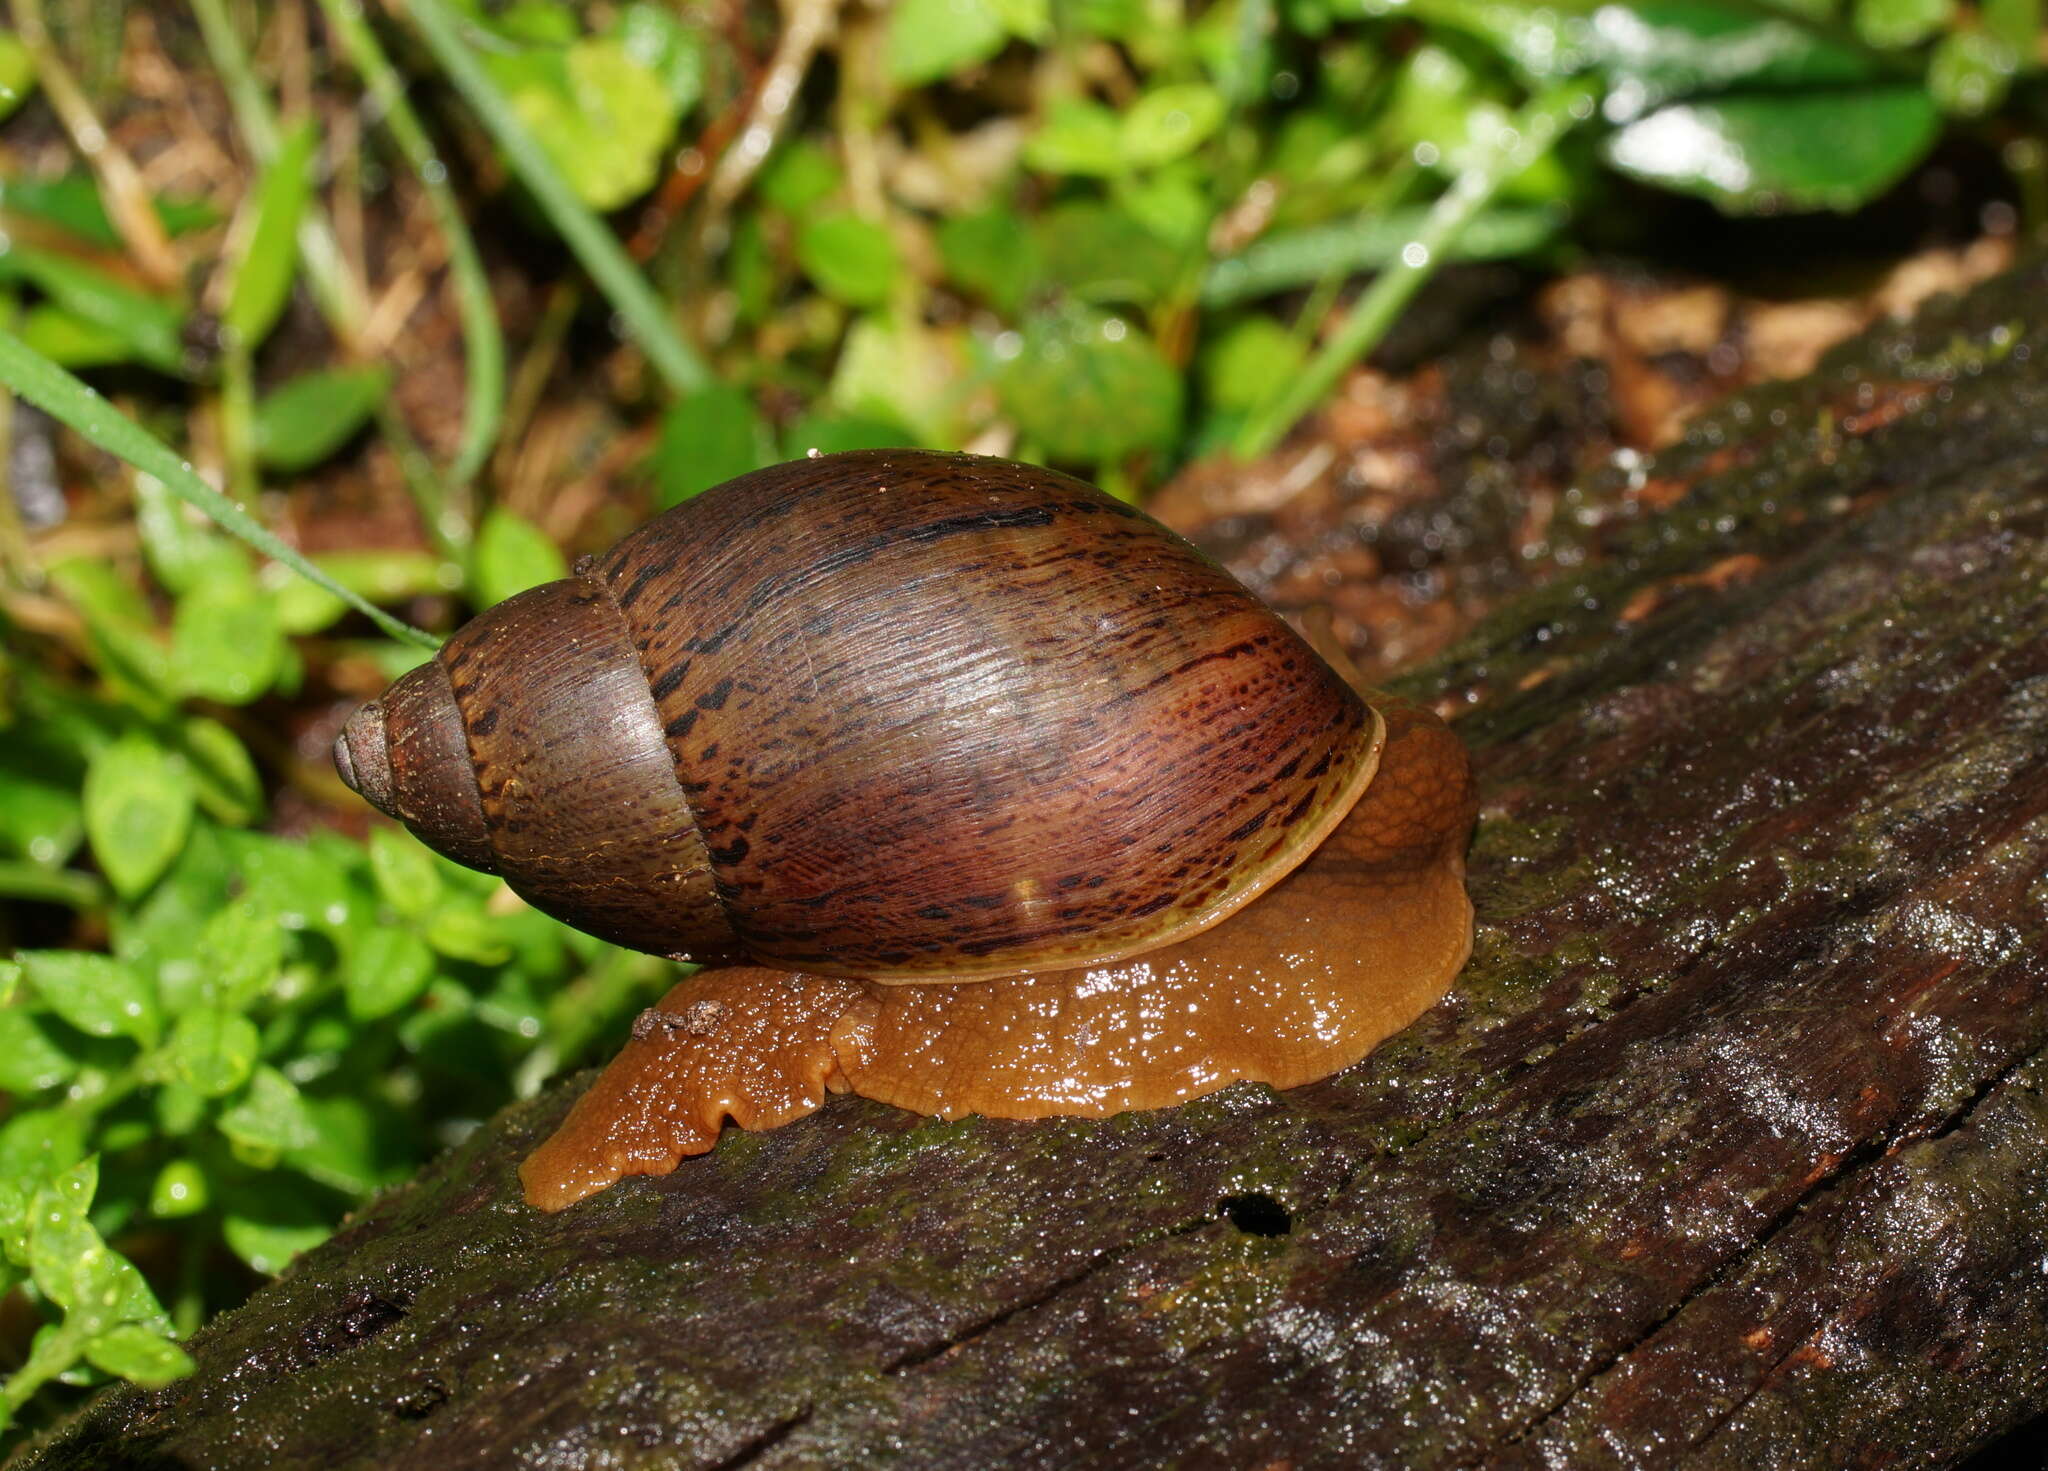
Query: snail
point(976, 789)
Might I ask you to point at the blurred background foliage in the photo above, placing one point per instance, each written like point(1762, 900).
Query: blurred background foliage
point(380, 272)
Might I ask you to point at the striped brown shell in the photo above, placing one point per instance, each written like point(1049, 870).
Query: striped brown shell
point(890, 714)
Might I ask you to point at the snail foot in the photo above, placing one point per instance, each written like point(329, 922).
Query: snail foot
point(740, 1044)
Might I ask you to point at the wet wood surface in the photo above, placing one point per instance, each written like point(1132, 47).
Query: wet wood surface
point(1730, 1148)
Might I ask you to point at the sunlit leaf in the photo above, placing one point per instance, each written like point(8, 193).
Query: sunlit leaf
point(212, 1050)
point(1789, 151)
point(99, 995)
point(852, 259)
point(149, 326)
point(138, 806)
point(302, 422)
point(17, 73)
point(1891, 24)
point(513, 554)
point(602, 117)
point(262, 281)
point(932, 39)
point(225, 642)
point(1170, 121)
point(140, 1355)
point(706, 438)
point(1091, 388)
point(1077, 138)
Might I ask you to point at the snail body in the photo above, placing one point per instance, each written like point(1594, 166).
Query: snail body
point(966, 776)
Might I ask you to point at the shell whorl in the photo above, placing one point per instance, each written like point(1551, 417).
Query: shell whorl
point(902, 715)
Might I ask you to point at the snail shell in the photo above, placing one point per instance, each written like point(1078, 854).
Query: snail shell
point(893, 715)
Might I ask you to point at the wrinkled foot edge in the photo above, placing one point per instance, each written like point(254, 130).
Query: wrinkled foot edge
point(583, 1156)
point(743, 1043)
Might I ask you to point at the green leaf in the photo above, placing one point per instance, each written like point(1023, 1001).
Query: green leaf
point(1090, 388)
point(117, 626)
point(852, 259)
point(1793, 152)
point(151, 327)
point(404, 872)
point(213, 1051)
point(707, 438)
point(295, 885)
point(40, 818)
point(240, 953)
point(270, 1118)
point(72, 403)
point(17, 73)
point(1240, 368)
point(932, 39)
point(99, 995)
point(1657, 50)
point(801, 174)
point(225, 643)
point(68, 339)
point(139, 1355)
point(388, 576)
point(464, 933)
point(512, 555)
point(32, 1057)
point(182, 550)
point(604, 119)
point(1077, 138)
point(1170, 122)
point(2015, 24)
point(96, 1286)
point(1970, 73)
point(308, 418)
point(262, 282)
point(1172, 202)
point(1893, 24)
point(229, 787)
point(180, 1189)
point(1288, 259)
point(31, 1054)
point(72, 203)
point(992, 253)
point(1100, 254)
point(673, 53)
point(267, 1222)
point(345, 1155)
point(387, 970)
point(902, 373)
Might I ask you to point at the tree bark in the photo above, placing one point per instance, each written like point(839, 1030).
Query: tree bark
point(1728, 1149)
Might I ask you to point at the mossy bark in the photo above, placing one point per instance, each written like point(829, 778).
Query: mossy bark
point(1728, 1149)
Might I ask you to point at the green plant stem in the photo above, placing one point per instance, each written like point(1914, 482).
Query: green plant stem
point(72, 403)
point(594, 244)
point(51, 1356)
point(40, 885)
point(238, 418)
point(341, 302)
point(1535, 132)
point(484, 342)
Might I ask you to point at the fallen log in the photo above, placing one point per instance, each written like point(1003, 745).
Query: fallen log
point(1729, 1149)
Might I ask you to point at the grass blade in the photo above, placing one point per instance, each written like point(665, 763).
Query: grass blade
point(483, 340)
point(1535, 131)
point(594, 244)
point(73, 403)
